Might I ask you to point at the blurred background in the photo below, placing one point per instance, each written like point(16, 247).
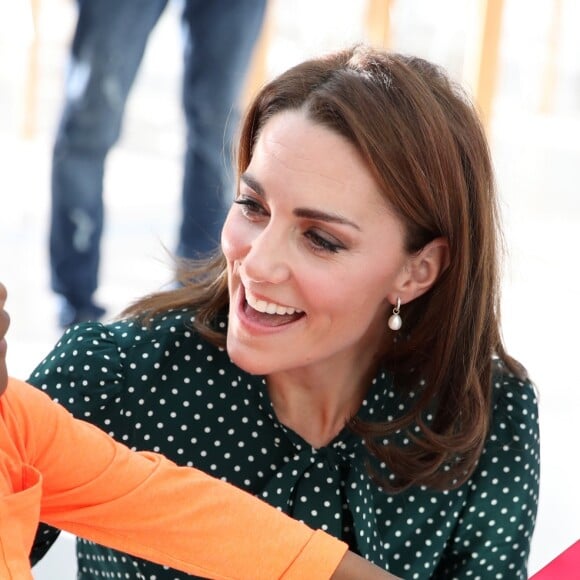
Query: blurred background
point(518, 57)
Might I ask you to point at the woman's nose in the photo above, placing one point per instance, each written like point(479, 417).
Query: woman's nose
point(267, 258)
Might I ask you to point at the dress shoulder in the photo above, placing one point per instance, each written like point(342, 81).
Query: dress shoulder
point(515, 406)
point(84, 369)
point(92, 364)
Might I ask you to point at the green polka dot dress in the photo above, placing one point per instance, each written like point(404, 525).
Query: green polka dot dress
point(165, 389)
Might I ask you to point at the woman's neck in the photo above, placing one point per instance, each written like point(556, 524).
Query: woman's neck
point(317, 403)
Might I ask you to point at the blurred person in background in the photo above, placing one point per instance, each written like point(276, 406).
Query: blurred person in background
point(106, 51)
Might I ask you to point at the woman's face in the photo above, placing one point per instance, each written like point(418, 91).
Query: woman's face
point(313, 253)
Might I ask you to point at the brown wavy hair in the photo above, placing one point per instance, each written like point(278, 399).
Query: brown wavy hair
point(423, 141)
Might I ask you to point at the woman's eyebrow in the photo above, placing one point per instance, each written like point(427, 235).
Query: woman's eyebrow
point(301, 212)
point(315, 214)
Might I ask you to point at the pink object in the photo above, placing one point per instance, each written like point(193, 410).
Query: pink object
point(566, 566)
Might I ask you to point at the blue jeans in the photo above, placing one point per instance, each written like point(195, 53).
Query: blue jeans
point(107, 49)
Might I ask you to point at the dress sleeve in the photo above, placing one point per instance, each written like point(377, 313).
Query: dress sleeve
point(85, 373)
point(144, 504)
point(492, 539)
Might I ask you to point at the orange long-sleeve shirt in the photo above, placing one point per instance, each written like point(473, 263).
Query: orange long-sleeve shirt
point(69, 474)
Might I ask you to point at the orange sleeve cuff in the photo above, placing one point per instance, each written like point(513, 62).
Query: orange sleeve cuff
point(319, 559)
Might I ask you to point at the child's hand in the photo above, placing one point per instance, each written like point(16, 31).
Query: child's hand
point(4, 324)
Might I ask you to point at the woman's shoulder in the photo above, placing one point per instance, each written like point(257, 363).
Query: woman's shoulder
point(109, 347)
point(508, 384)
point(94, 363)
point(515, 406)
point(129, 333)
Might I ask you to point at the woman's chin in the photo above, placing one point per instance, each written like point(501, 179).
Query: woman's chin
point(247, 359)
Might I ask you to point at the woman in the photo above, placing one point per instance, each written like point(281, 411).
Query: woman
point(341, 355)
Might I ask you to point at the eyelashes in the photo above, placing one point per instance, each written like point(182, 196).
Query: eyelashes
point(318, 241)
point(322, 243)
point(250, 207)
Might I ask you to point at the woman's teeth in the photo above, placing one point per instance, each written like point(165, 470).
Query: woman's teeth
point(270, 307)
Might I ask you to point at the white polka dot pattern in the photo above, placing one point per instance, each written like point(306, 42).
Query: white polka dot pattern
point(165, 389)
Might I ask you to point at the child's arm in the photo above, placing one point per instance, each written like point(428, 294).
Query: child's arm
point(143, 504)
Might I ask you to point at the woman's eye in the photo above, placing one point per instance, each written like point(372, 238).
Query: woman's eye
point(250, 207)
point(322, 243)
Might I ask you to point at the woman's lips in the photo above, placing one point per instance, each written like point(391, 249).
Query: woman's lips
point(263, 305)
point(263, 318)
point(271, 320)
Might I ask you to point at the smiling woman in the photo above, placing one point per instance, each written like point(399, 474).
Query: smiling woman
point(365, 190)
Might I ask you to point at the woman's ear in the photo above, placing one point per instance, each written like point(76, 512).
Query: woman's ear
point(423, 270)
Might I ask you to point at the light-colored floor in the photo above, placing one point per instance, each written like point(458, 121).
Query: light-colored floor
point(537, 158)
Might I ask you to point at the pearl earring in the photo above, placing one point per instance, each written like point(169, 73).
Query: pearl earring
point(395, 322)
